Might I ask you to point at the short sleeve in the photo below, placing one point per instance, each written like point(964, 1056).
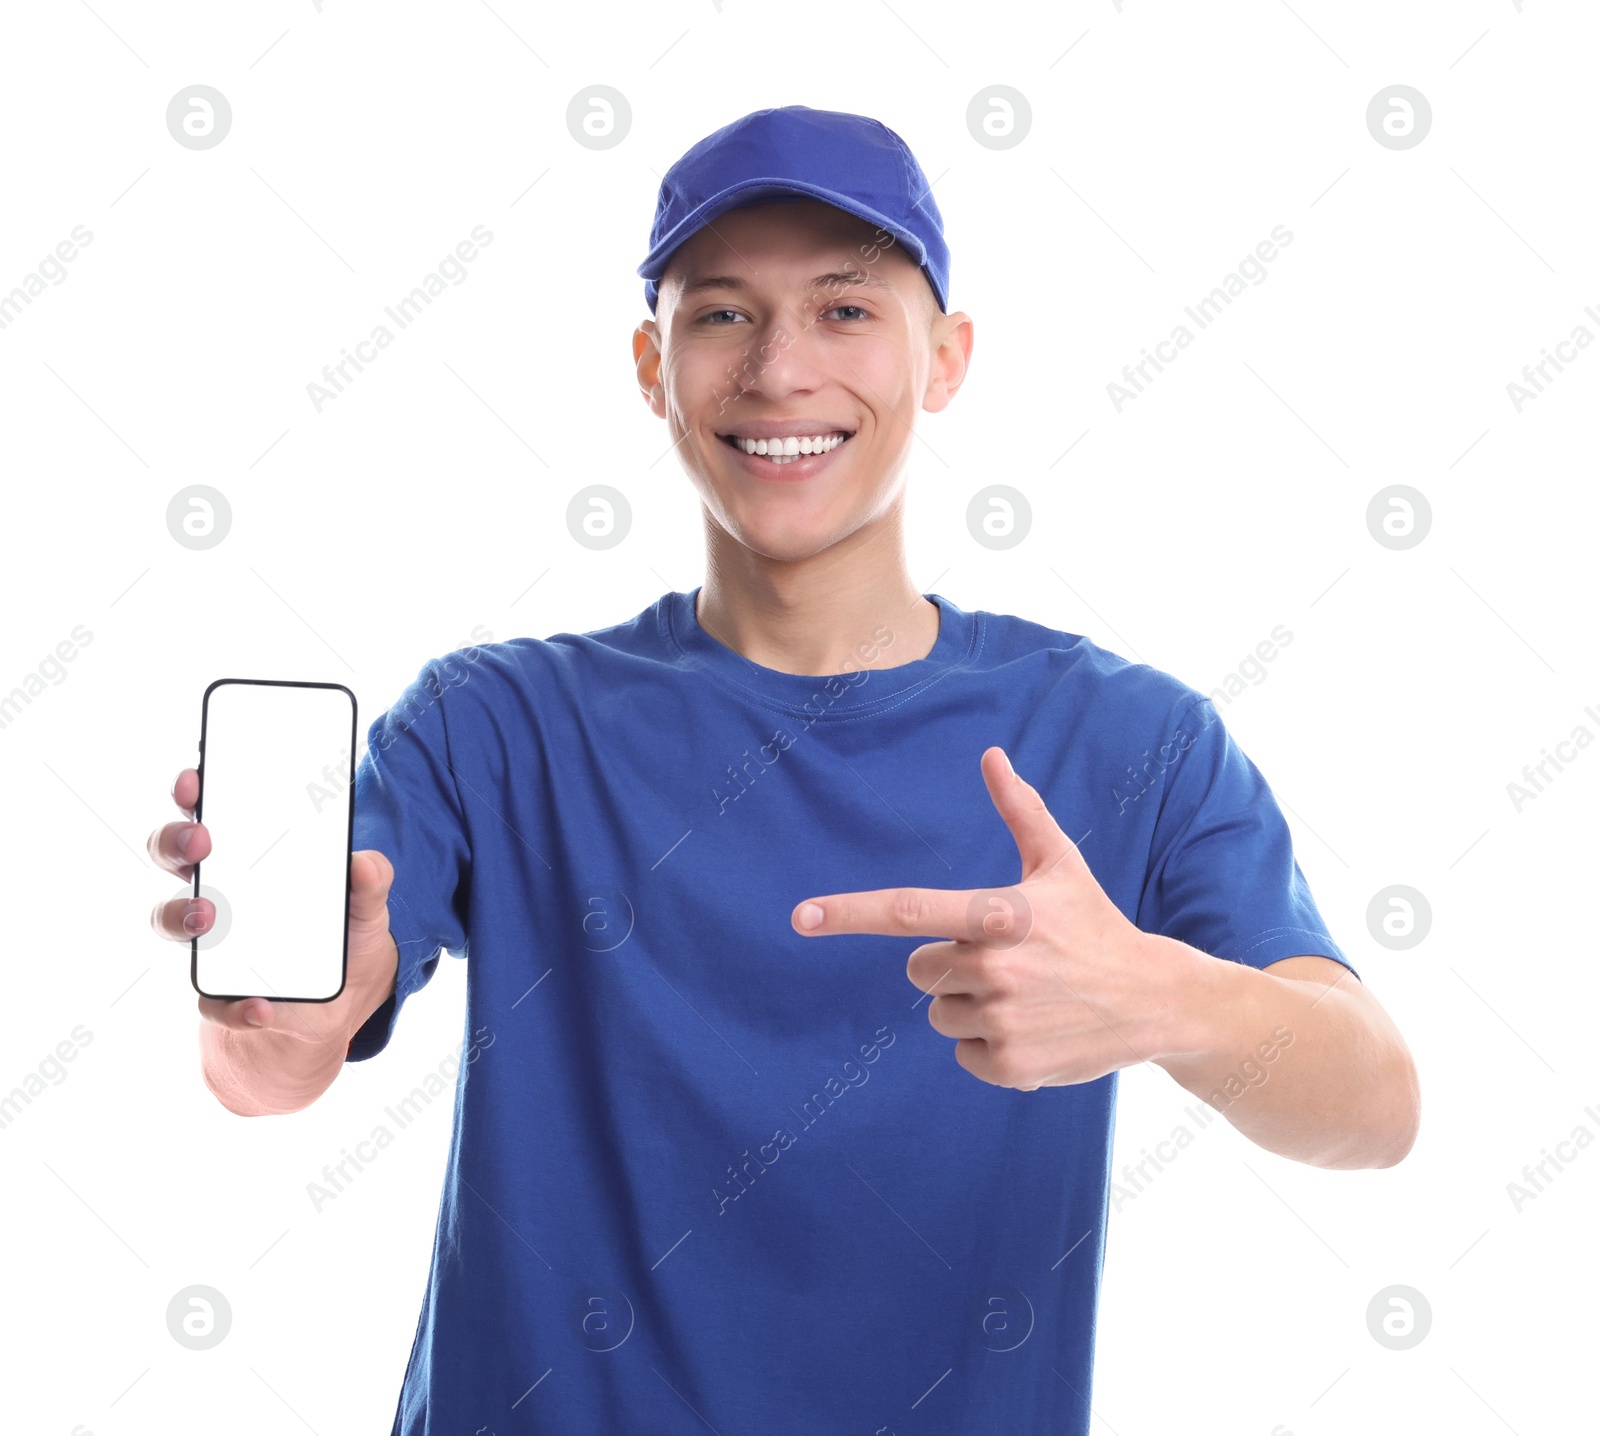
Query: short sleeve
point(408, 807)
point(1222, 875)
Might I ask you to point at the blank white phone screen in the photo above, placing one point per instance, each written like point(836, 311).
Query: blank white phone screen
point(275, 796)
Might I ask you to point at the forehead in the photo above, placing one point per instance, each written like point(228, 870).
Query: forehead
point(792, 243)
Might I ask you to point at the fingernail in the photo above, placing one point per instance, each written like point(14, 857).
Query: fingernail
point(810, 915)
point(1007, 757)
point(183, 841)
point(194, 918)
point(254, 1018)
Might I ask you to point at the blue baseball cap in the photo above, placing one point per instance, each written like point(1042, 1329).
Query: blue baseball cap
point(795, 152)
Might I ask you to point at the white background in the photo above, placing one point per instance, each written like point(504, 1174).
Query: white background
point(1166, 142)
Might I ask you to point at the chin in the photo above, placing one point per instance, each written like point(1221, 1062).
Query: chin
point(781, 548)
point(782, 539)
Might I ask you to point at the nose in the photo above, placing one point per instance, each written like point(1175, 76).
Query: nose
point(785, 357)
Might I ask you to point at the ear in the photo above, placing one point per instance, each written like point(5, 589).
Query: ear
point(950, 340)
point(647, 366)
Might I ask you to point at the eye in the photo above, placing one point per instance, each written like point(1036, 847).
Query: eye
point(707, 318)
point(858, 309)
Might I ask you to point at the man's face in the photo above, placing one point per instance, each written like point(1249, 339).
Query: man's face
point(796, 319)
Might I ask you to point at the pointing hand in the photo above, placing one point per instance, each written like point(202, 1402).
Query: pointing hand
point(1042, 984)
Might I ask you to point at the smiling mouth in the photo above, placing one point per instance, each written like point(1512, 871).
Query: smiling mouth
point(786, 451)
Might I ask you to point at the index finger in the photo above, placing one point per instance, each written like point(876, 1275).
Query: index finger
point(894, 912)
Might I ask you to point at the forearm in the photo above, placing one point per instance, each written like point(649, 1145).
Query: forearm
point(1312, 1072)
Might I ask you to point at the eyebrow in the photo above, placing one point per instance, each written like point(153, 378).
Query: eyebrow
point(845, 278)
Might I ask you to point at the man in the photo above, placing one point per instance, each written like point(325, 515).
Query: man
point(717, 1163)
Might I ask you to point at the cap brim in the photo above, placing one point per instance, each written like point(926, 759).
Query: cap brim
point(749, 190)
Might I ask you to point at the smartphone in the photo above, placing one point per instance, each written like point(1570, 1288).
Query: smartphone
point(277, 762)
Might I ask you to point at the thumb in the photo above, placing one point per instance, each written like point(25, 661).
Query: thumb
point(1042, 845)
point(371, 875)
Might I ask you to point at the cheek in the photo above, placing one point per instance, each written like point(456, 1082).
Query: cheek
point(886, 372)
point(697, 378)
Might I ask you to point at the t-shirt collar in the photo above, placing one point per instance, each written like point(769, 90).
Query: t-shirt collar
point(854, 692)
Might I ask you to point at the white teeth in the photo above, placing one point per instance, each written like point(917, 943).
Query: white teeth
point(783, 450)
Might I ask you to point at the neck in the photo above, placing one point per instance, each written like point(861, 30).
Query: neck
point(851, 607)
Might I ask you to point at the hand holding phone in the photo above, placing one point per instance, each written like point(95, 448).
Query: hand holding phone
point(261, 1055)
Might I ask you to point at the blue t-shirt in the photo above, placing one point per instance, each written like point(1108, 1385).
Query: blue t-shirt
point(710, 1174)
